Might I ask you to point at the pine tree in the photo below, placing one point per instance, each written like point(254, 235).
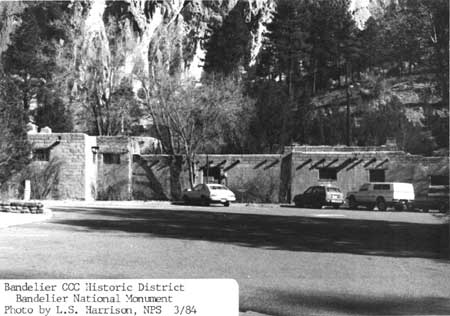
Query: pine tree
point(14, 147)
point(32, 62)
point(227, 48)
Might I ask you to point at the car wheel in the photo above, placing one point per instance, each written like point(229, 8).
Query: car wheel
point(381, 204)
point(298, 204)
point(352, 203)
point(316, 205)
point(399, 208)
point(226, 203)
point(410, 207)
point(443, 208)
point(186, 199)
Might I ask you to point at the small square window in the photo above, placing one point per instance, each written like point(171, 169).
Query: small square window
point(41, 154)
point(438, 180)
point(110, 158)
point(382, 187)
point(328, 173)
point(377, 175)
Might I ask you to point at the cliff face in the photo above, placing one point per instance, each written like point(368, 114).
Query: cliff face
point(364, 9)
point(8, 21)
point(145, 24)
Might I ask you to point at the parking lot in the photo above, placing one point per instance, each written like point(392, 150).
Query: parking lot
point(287, 261)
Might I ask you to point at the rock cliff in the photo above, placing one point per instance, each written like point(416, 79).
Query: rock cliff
point(145, 23)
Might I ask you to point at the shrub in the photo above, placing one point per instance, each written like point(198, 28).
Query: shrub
point(261, 188)
point(44, 179)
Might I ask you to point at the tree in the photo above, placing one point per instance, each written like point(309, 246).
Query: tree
point(52, 112)
point(391, 120)
point(30, 59)
point(309, 44)
point(192, 117)
point(105, 88)
point(228, 46)
point(439, 34)
point(266, 125)
point(287, 42)
point(38, 61)
point(14, 147)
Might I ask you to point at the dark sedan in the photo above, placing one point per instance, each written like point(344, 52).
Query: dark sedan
point(318, 196)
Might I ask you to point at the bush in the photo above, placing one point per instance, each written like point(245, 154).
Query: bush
point(44, 179)
point(261, 188)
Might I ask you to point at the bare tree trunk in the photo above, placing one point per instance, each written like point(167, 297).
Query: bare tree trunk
point(191, 171)
point(97, 115)
point(314, 77)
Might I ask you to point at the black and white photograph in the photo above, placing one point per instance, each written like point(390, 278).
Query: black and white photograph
point(265, 157)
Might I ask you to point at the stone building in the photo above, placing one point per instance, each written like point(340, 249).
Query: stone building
point(350, 167)
point(90, 167)
point(122, 168)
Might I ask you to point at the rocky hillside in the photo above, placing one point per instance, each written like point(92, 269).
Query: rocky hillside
point(98, 66)
point(144, 23)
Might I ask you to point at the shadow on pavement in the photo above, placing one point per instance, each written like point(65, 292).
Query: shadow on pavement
point(294, 233)
point(338, 303)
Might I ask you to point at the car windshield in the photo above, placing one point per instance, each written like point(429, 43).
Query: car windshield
point(309, 190)
point(333, 189)
point(364, 187)
point(217, 187)
point(198, 187)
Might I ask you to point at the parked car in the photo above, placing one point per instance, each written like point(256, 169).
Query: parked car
point(209, 193)
point(382, 195)
point(320, 195)
point(437, 197)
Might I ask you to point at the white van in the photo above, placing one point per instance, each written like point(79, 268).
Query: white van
point(382, 195)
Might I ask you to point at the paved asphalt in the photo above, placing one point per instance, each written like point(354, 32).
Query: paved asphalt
point(287, 261)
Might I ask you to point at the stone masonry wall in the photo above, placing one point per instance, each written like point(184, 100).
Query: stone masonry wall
point(417, 170)
point(115, 178)
point(70, 150)
point(253, 178)
point(113, 181)
point(354, 168)
point(151, 177)
point(122, 168)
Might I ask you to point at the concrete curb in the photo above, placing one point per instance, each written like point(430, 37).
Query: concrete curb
point(8, 219)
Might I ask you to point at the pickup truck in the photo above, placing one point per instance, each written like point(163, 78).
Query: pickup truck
point(382, 195)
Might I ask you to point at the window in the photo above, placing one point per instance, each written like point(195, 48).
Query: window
point(328, 173)
point(110, 158)
point(41, 154)
point(381, 187)
point(364, 187)
point(319, 190)
point(439, 180)
point(217, 187)
point(309, 190)
point(377, 175)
